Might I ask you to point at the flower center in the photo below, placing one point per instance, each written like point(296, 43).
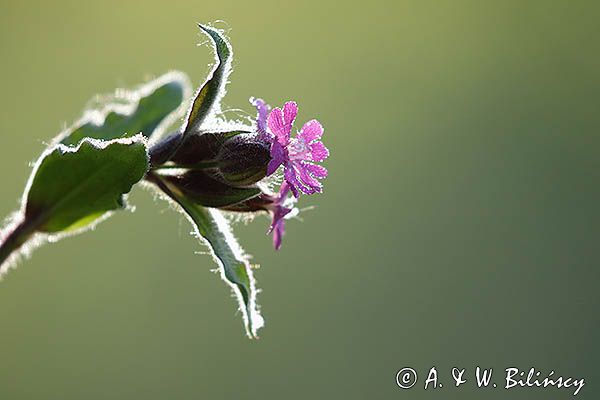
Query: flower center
point(298, 149)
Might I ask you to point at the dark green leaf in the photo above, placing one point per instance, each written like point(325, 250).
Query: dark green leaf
point(213, 89)
point(73, 187)
point(146, 110)
point(212, 227)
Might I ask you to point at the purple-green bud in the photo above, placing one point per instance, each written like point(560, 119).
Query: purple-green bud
point(237, 158)
point(242, 160)
point(203, 188)
point(161, 151)
point(201, 148)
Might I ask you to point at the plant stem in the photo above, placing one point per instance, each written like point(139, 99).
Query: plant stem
point(155, 179)
point(15, 239)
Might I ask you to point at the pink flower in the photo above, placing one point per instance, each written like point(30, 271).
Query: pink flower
point(262, 112)
point(278, 212)
point(299, 154)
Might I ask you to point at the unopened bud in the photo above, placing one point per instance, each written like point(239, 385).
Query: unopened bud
point(205, 190)
point(242, 160)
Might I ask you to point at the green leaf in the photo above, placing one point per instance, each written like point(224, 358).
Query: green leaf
point(148, 110)
point(213, 89)
point(70, 188)
point(213, 229)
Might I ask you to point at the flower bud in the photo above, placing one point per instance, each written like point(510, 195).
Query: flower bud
point(161, 151)
point(237, 158)
point(200, 148)
point(242, 160)
point(204, 189)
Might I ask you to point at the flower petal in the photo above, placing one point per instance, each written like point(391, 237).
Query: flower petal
point(312, 185)
point(318, 151)
point(278, 127)
point(283, 191)
point(290, 176)
point(312, 130)
point(278, 157)
point(317, 171)
point(272, 166)
point(290, 110)
point(278, 232)
point(262, 112)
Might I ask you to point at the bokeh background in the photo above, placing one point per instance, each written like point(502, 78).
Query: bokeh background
point(459, 225)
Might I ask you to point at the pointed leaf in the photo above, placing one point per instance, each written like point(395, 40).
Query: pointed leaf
point(71, 188)
point(213, 228)
point(148, 110)
point(212, 90)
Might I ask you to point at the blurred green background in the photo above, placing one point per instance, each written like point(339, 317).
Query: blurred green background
point(459, 225)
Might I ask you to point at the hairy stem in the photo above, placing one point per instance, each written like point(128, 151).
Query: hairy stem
point(155, 179)
point(15, 239)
